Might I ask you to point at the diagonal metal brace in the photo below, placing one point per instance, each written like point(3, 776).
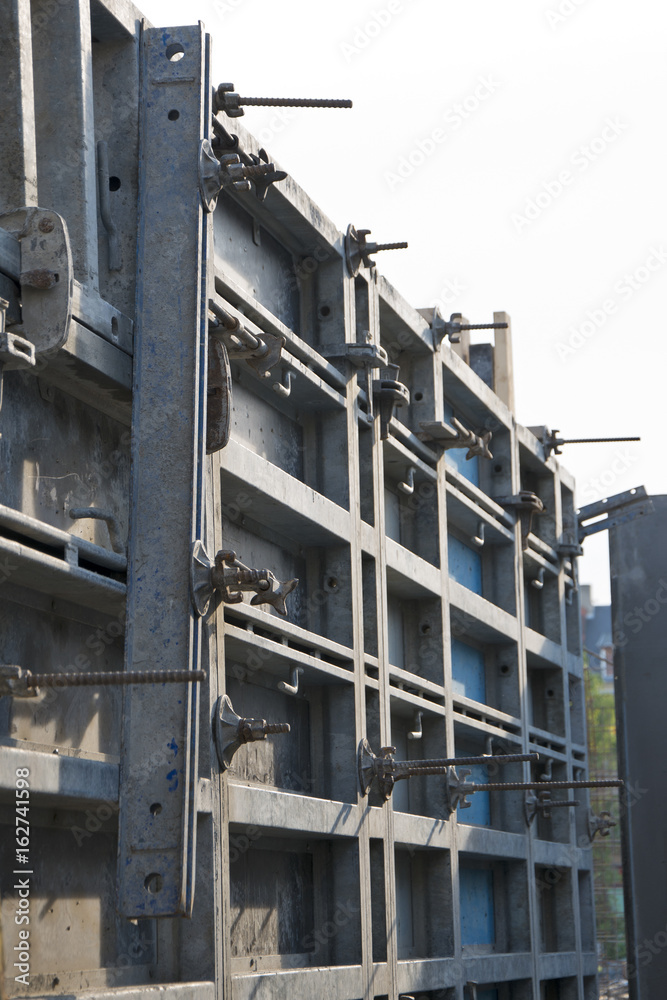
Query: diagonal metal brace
point(455, 435)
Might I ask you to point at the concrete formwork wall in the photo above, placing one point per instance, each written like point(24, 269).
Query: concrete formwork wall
point(302, 885)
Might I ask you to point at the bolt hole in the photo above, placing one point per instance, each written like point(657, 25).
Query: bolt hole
point(175, 52)
point(114, 329)
point(425, 628)
point(550, 693)
point(156, 809)
point(418, 397)
point(504, 669)
point(332, 583)
point(114, 183)
point(153, 883)
point(325, 311)
point(497, 468)
point(174, 115)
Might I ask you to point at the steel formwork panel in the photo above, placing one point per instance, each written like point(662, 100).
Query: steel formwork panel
point(299, 883)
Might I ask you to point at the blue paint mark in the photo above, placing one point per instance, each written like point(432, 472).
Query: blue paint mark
point(173, 746)
point(173, 777)
point(479, 813)
point(465, 564)
point(468, 671)
point(456, 457)
point(477, 919)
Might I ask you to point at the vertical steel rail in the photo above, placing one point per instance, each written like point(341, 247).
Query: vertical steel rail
point(18, 162)
point(159, 747)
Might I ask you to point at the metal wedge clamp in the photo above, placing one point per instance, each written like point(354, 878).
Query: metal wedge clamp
point(526, 505)
point(358, 249)
point(458, 788)
point(453, 328)
point(231, 731)
point(601, 824)
point(388, 392)
point(543, 803)
point(228, 171)
point(455, 435)
point(388, 771)
point(229, 578)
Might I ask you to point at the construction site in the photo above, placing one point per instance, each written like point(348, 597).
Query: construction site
point(292, 695)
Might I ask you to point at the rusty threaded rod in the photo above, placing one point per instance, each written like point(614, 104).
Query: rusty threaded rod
point(501, 758)
point(560, 441)
point(292, 102)
point(251, 171)
point(376, 247)
point(115, 677)
point(524, 786)
point(482, 326)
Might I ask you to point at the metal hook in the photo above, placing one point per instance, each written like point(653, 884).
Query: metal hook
point(478, 539)
point(408, 486)
point(284, 388)
point(538, 582)
point(417, 731)
point(292, 688)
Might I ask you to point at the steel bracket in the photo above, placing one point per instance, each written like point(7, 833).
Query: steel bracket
point(46, 280)
point(389, 392)
point(361, 355)
point(620, 509)
point(525, 504)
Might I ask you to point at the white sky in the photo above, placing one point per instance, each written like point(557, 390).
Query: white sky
point(542, 87)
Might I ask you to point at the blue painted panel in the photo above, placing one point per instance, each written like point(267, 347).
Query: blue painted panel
point(465, 564)
point(477, 921)
point(456, 457)
point(468, 671)
point(479, 813)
